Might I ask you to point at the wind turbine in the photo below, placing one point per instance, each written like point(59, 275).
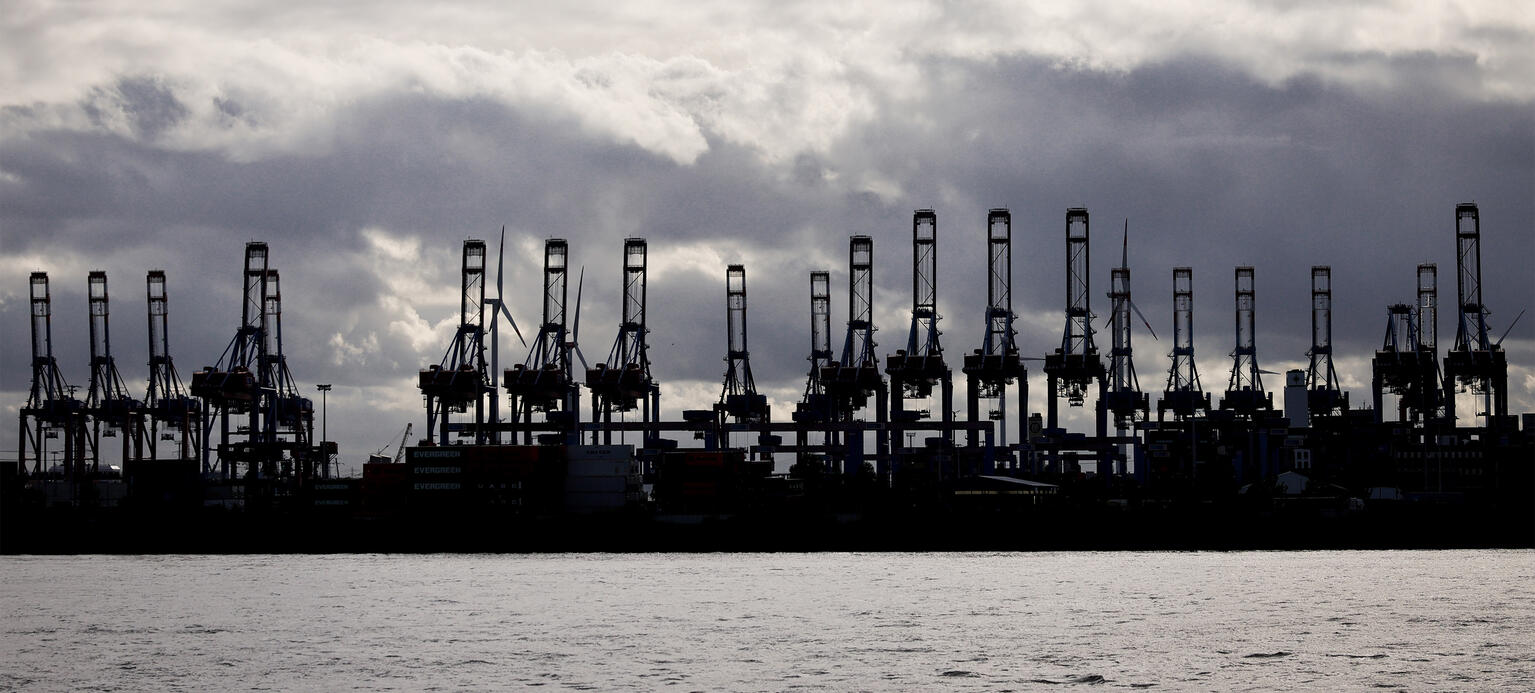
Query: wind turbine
point(1124, 263)
point(573, 399)
point(497, 309)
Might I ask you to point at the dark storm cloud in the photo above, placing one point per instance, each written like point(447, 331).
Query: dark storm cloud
point(1213, 168)
point(148, 104)
point(427, 169)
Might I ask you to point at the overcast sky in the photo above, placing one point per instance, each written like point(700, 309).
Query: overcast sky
point(365, 141)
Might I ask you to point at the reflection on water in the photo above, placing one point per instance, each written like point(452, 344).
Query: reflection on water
point(1172, 621)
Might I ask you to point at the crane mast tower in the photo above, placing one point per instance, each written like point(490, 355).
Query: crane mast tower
point(997, 364)
point(816, 406)
point(544, 382)
point(108, 403)
point(1184, 395)
point(1074, 365)
point(739, 398)
point(1475, 363)
point(623, 383)
point(231, 390)
point(172, 415)
point(51, 411)
point(851, 380)
point(1244, 391)
point(1323, 394)
point(461, 381)
point(917, 369)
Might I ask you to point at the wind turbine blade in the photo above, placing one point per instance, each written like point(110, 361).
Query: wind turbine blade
point(1124, 252)
point(500, 260)
point(581, 356)
point(1144, 321)
point(1510, 327)
point(501, 308)
point(575, 332)
point(1260, 370)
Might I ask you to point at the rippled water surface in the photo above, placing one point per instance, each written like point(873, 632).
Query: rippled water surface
point(1458, 620)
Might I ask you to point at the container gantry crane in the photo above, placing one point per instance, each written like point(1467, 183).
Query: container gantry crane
point(1244, 391)
point(51, 411)
point(917, 369)
point(1075, 364)
point(108, 403)
point(171, 414)
point(1184, 395)
point(399, 451)
point(1399, 367)
point(739, 398)
point(1475, 363)
point(851, 380)
point(460, 382)
point(817, 406)
point(250, 395)
point(1323, 395)
point(544, 383)
point(288, 429)
point(997, 364)
point(234, 386)
point(623, 383)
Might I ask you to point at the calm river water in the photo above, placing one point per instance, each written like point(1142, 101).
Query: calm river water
point(1451, 620)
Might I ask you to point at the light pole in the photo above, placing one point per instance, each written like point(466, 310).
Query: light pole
point(324, 389)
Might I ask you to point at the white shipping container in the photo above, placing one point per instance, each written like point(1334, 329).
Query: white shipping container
point(598, 468)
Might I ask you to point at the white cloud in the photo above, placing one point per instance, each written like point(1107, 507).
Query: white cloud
point(778, 80)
